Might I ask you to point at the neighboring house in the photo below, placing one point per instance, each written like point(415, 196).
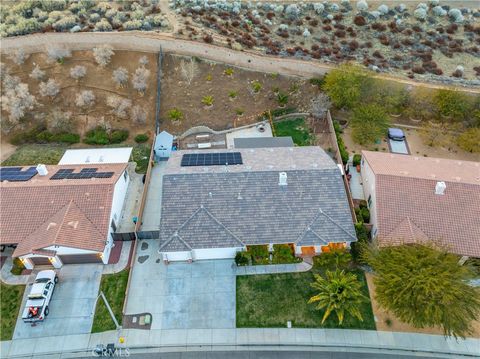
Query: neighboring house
point(61, 214)
point(96, 156)
point(414, 199)
point(264, 196)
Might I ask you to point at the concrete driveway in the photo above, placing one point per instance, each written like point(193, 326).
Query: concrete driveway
point(199, 295)
point(71, 307)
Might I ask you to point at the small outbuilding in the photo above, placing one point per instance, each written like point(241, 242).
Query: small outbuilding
point(163, 146)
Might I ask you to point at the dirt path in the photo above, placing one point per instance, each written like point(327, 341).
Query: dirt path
point(150, 42)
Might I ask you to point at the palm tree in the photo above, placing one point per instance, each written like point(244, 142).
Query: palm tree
point(339, 292)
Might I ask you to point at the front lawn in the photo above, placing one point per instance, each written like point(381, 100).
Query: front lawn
point(114, 287)
point(11, 299)
point(271, 300)
point(35, 154)
point(297, 129)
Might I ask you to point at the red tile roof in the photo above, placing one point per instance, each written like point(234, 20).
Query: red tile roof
point(72, 212)
point(408, 210)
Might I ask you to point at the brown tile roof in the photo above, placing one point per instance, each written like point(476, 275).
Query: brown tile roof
point(72, 212)
point(408, 210)
point(438, 169)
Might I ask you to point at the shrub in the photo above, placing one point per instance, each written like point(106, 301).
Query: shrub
point(51, 88)
point(78, 72)
point(58, 54)
point(242, 258)
point(470, 140)
point(362, 238)
point(256, 86)
point(140, 78)
point(341, 145)
point(139, 115)
point(451, 104)
point(333, 259)
point(369, 123)
point(175, 114)
point(97, 136)
point(103, 25)
point(141, 138)
point(365, 213)
point(283, 253)
point(207, 100)
point(259, 254)
point(357, 158)
point(37, 73)
point(232, 94)
point(85, 98)
point(120, 76)
point(345, 85)
point(69, 138)
point(228, 71)
point(103, 55)
point(282, 98)
point(118, 136)
point(19, 56)
point(17, 267)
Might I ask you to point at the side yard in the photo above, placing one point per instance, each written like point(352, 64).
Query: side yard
point(114, 287)
point(272, 300)
point(10, 299)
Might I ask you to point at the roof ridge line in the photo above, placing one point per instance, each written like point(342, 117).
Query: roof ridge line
point(317, 235)
point(221, 224)
point(339, 226)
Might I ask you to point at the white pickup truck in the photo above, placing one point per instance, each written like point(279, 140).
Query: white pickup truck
point(36, 308)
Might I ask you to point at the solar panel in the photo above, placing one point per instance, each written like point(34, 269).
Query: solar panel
point(17, 174)
point(211, 159)
point(85, 173)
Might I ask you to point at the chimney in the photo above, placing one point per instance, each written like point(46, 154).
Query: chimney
point(440, 188)
point(282, 179)
point(42, 170)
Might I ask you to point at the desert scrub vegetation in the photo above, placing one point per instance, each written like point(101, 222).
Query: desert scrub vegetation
point(27, 17)
point(419, 39)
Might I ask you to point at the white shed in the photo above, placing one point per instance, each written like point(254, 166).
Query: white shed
point(163, 146)
point(96, 156)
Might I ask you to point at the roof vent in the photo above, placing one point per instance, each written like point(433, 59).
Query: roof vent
point(42, 170)
point(440, 188)
point(282, 179)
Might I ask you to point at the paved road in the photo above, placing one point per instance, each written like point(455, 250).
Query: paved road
point(277, 355)
point(151, 42)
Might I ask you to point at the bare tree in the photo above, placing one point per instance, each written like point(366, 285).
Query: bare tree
point(58, 54)
point(143, 61)
point(120, 76)
point(19, 56)
point(320, 105)
point(139, 115)
point(188, 70)
point(85, 99)
point(16, 101)
point(78, 72)
point(140, 78)
point(103, 55)
point(37, 73)
point(59, 121)
point(119, 105)
point(51, 88)
point(10, 82)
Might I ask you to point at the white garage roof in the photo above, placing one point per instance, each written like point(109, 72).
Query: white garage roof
point(96, 156)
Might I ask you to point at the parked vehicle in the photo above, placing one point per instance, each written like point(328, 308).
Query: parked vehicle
point(396, 134)
point(36, 308)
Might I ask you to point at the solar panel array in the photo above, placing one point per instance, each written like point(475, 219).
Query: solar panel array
point(85, 173)
point(212, 159)
point(17, 174)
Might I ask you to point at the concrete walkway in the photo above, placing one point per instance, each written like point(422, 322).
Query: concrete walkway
point(240, 339)
point(122, 262)
point(356, 184)
point(7, 277)
point(153, 204)
point(274, 268)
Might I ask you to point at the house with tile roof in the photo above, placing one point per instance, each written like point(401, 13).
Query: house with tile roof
point(414, 199)
point(61, 214)
point(212, 209)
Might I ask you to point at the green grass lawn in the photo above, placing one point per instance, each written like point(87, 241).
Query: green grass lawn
point(297, 129)
point(10, 299)
point(34, 154)
point(113, 286)
point(273, 299)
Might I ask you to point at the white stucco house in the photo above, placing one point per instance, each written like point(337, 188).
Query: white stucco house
point(61, 214)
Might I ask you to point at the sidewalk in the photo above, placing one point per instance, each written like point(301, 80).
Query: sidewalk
point(274, 268)
point(9, 278)
point(138, 341)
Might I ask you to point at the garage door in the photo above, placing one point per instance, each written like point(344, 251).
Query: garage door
point(80, 258)
point(40, 261)
point(215, 253)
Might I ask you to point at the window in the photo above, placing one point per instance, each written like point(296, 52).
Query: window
point(113, 225)
point(125, 176)
point(369, 201)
